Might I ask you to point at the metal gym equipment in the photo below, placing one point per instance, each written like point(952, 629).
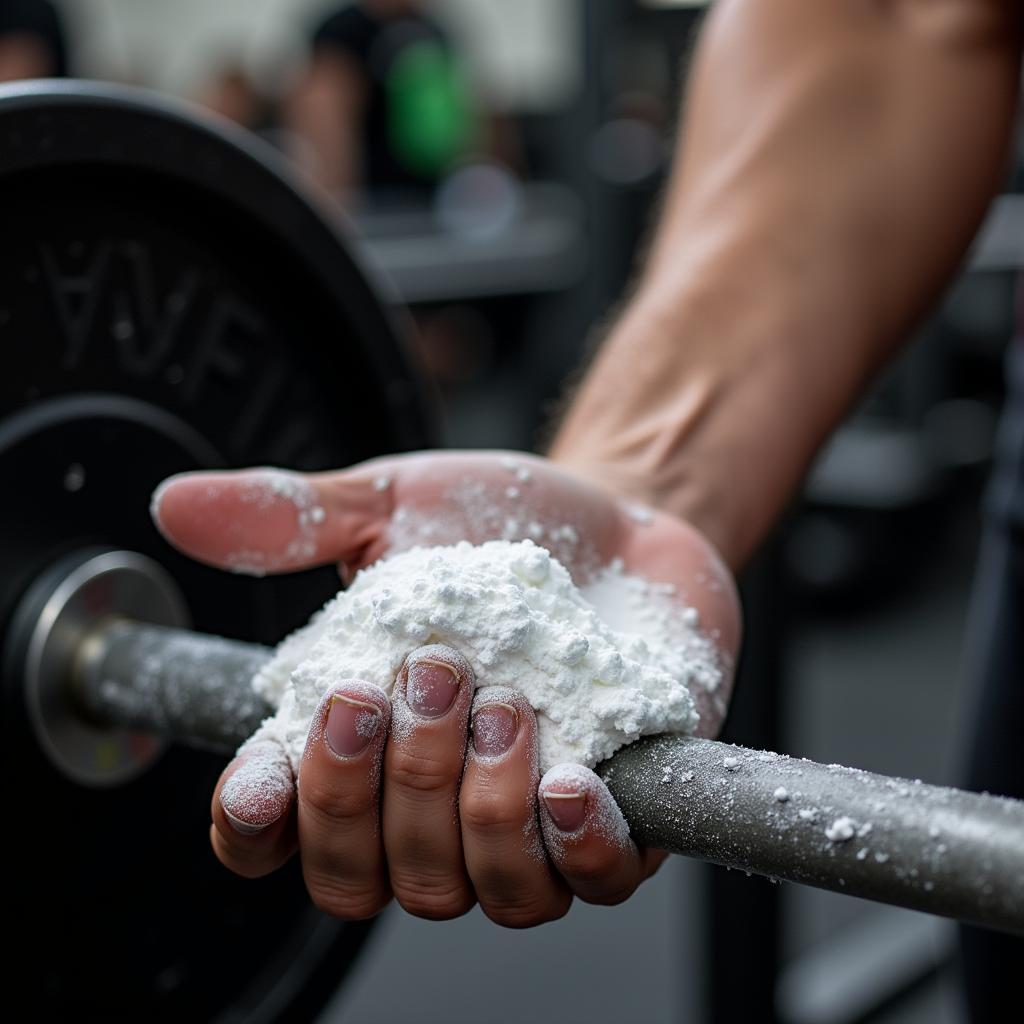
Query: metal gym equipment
point(902, 842)
point(170, 300)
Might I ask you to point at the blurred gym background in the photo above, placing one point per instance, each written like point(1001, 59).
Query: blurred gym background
point(512, 240)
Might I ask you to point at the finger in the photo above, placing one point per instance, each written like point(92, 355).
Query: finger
point(423, 766)
point(503, 850)
point(339, 802)
point(259, 521)
point(587, 837)
point(253, 832)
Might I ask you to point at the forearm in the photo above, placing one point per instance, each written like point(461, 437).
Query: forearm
point(837, 158)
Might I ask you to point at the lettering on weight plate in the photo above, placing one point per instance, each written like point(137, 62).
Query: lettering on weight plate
point(261, 398)
point(218, 353)
point(229, 348)
point(75, 296)
point(204, 342)
point(143, 326)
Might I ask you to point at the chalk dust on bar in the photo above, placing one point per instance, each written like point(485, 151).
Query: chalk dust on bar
point(602, 665)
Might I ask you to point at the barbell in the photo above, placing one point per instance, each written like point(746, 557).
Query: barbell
point(924, 847)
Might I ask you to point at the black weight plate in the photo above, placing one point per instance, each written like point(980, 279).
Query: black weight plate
point(169, 299)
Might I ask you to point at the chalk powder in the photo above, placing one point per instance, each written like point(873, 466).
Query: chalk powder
point(602, 666)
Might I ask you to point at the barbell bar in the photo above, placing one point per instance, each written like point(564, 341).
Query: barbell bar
point(898, 841)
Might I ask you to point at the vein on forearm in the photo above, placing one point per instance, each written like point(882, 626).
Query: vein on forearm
point(835, 160)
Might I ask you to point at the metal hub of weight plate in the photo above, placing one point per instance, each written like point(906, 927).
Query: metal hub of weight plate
point(169, 300)
point(57, 627)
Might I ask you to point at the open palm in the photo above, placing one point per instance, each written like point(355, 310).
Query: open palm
point(367, 826)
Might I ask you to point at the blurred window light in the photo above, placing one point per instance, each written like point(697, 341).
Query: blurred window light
point(525, 56)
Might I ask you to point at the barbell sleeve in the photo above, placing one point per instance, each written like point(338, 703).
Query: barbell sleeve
point(180, 685)
point(930, 848)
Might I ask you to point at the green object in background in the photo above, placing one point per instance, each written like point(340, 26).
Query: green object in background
point(431, 122)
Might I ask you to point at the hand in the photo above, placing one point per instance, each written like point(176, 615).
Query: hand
point(394, 796)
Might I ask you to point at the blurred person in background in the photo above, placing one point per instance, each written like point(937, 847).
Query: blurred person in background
point(32, 41)
point(384, 107)
point(231, 92)
point(382, 116)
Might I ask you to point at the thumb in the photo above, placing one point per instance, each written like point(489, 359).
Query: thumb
point(260, 521)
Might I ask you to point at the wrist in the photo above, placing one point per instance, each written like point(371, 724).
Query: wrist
point(699, 403)
point(636, 425)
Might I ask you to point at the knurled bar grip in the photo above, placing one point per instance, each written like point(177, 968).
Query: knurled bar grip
point(929, 848)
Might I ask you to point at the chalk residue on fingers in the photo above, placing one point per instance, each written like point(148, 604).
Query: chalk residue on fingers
point(269, 488)
point(252, 522)
point(375, 716)
point(403, 719)
point(517, 704)
point(602, 816)
point(506, 696)
point(260, 789)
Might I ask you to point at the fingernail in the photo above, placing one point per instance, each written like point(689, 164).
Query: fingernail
point(431, 688)
point(494, 729)
point(245, 828)
point(258, 792)
point(351, 724)
point(567, 810)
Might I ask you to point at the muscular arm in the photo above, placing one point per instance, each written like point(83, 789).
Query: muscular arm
point(836, 159)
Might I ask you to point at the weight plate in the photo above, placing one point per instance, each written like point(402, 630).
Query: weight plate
point(169, 299)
